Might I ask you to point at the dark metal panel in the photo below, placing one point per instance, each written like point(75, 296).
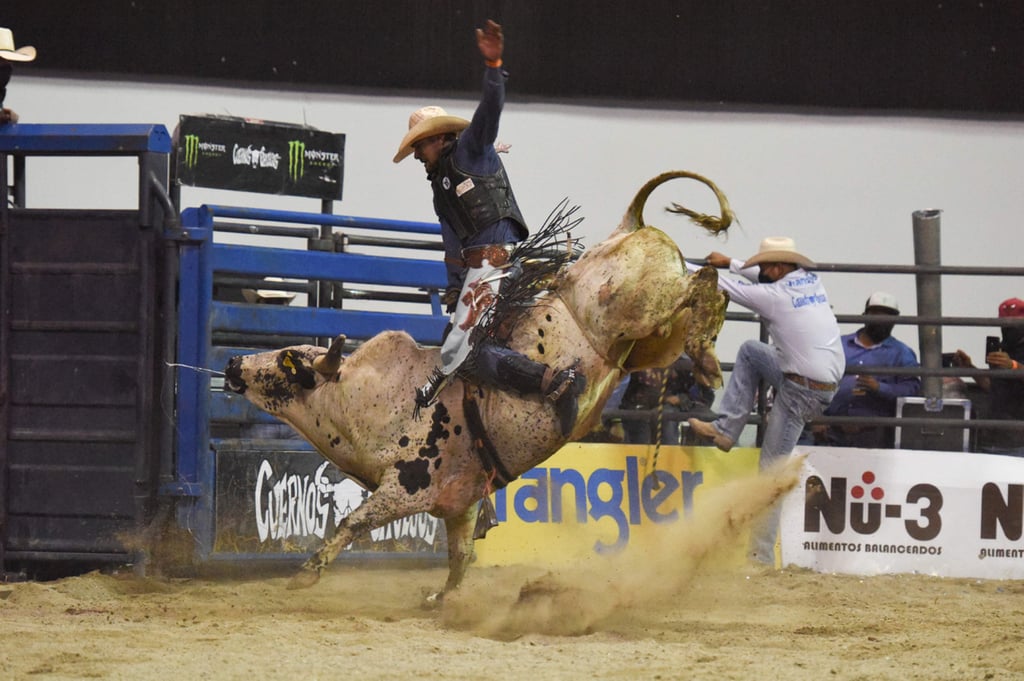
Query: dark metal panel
point(57, 238)
point(79, 325)
point(110, 343)
point(76, 535)
point(108, 299)
point(65, 490)
point(75, 422)
point(96, 454)
point(54, 380)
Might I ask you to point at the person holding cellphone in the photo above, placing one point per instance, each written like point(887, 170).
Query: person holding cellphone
point(1006, 394)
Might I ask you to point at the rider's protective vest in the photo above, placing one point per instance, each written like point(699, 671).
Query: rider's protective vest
point(471, 203)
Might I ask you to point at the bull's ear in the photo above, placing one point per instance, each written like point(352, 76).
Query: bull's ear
point(293, 365)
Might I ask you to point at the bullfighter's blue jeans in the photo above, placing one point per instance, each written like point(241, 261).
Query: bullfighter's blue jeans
point(793, 406)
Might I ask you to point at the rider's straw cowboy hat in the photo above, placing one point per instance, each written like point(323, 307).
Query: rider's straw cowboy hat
point(7, 51)
point(778, 249)
point(427, 122)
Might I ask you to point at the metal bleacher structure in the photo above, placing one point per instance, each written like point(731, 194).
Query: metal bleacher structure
point(116, 434)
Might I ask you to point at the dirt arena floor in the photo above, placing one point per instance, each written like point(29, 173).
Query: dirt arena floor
point(671, 616)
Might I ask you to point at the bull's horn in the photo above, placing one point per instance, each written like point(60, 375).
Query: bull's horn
point(634, 217)
point(327, 364)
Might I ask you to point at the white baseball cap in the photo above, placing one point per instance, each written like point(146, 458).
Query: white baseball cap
point(883, 299)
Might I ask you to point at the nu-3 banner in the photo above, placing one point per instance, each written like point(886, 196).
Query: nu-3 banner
point(869, 512)
point(267, 157)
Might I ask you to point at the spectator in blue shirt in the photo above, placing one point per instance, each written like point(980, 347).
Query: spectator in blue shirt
point(870, 394)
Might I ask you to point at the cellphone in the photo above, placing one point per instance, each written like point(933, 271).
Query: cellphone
point(992, 344)
point(947, 359)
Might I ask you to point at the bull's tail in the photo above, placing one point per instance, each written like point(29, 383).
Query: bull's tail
point(634, 217)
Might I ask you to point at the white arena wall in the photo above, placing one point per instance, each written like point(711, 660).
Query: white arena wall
point(844, 186)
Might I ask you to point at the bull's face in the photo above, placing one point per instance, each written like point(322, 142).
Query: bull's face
point(275, 380)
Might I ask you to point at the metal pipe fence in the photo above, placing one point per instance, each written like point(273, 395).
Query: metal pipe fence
point(930, 358)
point(336, 232)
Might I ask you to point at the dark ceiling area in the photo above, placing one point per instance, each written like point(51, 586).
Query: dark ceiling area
point(941, 57)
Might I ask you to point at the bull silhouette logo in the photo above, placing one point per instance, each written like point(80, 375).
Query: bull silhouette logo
point(191, 150)
point(296, 160)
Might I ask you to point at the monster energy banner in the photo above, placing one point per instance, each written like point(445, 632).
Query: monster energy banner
point(225, 152)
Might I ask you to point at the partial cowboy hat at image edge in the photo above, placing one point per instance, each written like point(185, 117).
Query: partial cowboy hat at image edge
point(883, 299)
point(427, 122)
point(778, 249)
point(7, 51)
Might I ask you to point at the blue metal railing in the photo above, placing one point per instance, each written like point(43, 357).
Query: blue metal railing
point(199, 316)
point(202, 320)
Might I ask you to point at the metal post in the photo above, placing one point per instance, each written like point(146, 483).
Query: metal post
point(19, 181)
point(4, 287)
point(320, 294)
point(927, 251)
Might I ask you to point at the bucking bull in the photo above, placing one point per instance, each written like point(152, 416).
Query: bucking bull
point(628, 303)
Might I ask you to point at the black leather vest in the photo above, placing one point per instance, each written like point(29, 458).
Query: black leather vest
point(471, 203)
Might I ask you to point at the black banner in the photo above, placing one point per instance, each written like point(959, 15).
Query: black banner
point(952, 57)
point(241, 154)
point(288, 501)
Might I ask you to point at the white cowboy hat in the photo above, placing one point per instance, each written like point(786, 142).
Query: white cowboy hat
point(778, 249)
point(262, 295)
point(427, 122)
point(7, 51)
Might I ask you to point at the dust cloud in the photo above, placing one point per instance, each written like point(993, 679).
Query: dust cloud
point(600, 592)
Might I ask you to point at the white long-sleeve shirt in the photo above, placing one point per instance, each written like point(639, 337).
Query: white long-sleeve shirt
point(799, 318)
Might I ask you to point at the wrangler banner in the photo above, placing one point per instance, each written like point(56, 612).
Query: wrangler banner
point(604, 499)
point(242, 154)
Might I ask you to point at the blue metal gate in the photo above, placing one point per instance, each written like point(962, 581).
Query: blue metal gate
point(225, 482)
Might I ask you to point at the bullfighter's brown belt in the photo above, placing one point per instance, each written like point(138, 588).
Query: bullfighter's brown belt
point(808, 383)
point(495, 254)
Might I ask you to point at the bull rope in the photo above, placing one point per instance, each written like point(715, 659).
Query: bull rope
point(653, 467)
point(194, 368)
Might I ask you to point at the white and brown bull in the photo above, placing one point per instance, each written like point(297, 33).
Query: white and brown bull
point(628, 303)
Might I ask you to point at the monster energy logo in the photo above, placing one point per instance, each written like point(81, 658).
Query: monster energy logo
point(191, 150)
point(296, 159)
point(194, 148)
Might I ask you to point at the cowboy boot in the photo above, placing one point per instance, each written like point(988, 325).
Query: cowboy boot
point(562, 387)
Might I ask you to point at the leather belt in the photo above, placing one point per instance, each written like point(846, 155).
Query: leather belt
point(808, 383)
point(495, 254)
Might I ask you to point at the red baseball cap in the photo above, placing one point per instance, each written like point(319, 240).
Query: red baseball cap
point(1011, 307)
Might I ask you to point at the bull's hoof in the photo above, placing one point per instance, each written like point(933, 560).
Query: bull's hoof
point(433, 601)
point(304, 579)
